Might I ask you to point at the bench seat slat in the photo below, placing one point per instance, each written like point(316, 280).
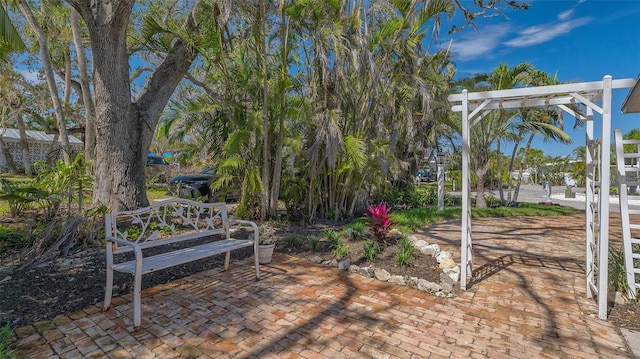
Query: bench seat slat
point(181, 256)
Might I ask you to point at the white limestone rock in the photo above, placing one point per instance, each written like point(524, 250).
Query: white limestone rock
point(397, 279)
point(381, 274)
point(429, 287)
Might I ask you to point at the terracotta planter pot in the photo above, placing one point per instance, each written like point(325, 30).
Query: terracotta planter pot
point(265, 252)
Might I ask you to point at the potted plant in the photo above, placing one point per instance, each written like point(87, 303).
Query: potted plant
point(266, 244)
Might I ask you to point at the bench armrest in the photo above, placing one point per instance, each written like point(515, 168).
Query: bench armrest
point(135, 247)
point(244, 223)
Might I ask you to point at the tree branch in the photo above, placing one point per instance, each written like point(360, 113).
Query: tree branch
point(163, 81)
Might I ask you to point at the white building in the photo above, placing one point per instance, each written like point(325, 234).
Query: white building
point(40, 146)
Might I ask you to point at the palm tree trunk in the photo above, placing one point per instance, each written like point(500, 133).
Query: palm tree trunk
point(24, 145)
point(277, 163)
point(51, 82)
point(511, 162)
point(266, 158)
point(523, 161)
point(498, 156)
point(85, 86)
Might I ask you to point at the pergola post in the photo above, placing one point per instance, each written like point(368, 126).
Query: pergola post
point(603, 213)
point(466, 254)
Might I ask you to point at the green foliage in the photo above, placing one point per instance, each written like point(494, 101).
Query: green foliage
point(6, 334)
point(333, 237)
point(341, 250)
point(314, 242)
point(18, 194)
point(404, 253)
point(354, 234)
point(617, 272)
point(371, 249)
point(291, 241)
point(419, 196)
point(12, 238)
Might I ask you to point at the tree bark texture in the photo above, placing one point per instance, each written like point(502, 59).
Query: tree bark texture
point(124, 129)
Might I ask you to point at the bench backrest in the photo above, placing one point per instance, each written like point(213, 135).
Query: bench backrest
point(168, 221)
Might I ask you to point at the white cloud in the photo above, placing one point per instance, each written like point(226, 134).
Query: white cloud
point(477, 44)
point(543, 33)
point(565, 15)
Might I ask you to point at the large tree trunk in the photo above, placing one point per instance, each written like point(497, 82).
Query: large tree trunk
point(87, 99)
point(125, 129)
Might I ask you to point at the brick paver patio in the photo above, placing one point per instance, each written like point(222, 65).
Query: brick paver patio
point(528, 302)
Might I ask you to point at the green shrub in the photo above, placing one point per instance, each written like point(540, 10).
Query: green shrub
point(404, 253)
point(371, 249)
point(333, 237)
point(341, 250)
point(291, 241)
point(6, 334)
point(314, 242)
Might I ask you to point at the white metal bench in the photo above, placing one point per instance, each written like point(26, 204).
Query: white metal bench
point(163, 223)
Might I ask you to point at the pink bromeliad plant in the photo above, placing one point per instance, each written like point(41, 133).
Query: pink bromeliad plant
point(381, 222)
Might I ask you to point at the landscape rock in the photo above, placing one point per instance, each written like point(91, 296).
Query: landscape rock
point(381, 274)
point(317, 259)
point(354, 269)
point(430, 250)
point(447, 263)
point(447, 287)
point(367, 271)
point(453, 273)
point(394, 233)
point(345, 264)
point(429, 287)
point(397, 279)
point(420, 243)
point(442, 256)
point(331, 263)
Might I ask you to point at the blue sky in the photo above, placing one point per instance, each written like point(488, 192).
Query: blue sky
point(579, 40)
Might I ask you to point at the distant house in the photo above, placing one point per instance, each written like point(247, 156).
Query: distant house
point(40, 146)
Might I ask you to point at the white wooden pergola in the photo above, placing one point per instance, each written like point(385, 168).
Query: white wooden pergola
point(596, 97)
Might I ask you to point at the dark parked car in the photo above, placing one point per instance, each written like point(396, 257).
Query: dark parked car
point(157, 167)
point(198, 185)
point(426, 175)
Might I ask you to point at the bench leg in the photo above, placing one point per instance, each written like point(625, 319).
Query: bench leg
point(136, 299)
point(256, 263)
point(227, 257)
point(108, 291)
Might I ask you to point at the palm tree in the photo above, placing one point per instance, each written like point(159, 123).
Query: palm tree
point(502, 78)
point(547, 122)
point(10, 39)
